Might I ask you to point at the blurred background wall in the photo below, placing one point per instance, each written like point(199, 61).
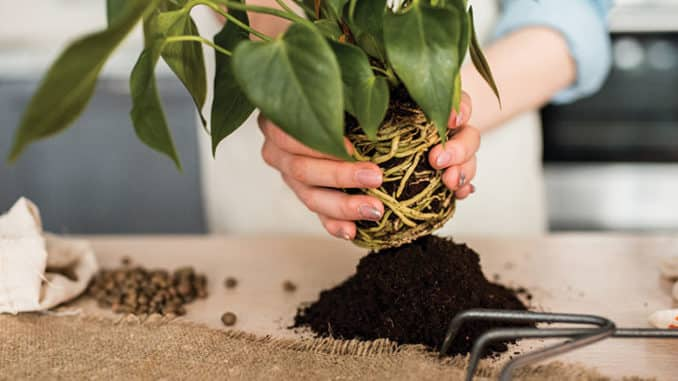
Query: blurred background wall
point(96, 177)
point(611, 161)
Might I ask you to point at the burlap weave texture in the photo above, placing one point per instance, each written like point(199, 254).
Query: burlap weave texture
point(37, 346)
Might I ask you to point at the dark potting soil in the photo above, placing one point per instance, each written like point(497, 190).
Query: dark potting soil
point(409, 294)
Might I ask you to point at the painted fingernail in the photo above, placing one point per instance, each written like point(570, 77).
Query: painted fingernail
point(443, 159)
point(369, 212)
point(462, 179)
point(368, 178)
point(343, 235)
point(460, 118)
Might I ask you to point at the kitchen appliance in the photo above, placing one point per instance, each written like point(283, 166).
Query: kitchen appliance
point(611, 160)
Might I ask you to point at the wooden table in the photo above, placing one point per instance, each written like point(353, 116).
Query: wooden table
point(611, 275)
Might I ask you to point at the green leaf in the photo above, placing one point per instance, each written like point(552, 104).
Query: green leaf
point(308, 7)
point(147, 115)
point(448, 3)
point(422, 44)
point(296, 82)
point(456, 97)
point(460, 6)
point(68, 85)
point(479, 60)
point(365, 95)
point(366, 20)
point(328, 28)
point(230, 107)
point(334, 9)
point(187, 62)
point(113, 9)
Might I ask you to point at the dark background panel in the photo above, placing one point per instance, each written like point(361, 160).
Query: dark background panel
point(97, 177)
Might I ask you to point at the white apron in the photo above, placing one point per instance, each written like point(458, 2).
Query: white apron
point(242, 195)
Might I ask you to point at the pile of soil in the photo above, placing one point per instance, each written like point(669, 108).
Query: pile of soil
point(409, 294)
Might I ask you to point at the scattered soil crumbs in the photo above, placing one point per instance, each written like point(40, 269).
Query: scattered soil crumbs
point(289, 286)
point(524, 292)
point(230, 282)
point(409, 295)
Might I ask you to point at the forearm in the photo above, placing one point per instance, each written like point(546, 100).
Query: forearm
point(529, 65)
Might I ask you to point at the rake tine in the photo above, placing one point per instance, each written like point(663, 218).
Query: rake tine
point(511, 316)
point(501, 334)
point(645, 333)
point(581, 337)
point(554, 350)
point(629, 333)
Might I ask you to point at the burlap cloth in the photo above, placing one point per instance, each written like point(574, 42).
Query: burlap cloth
point(34, 346)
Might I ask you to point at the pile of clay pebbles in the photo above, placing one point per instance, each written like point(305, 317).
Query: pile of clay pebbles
point(136, 290)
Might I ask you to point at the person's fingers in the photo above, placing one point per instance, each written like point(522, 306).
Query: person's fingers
point(285, 142)
point(336, 204)
point(322, 172)
point(457, 150)
point(458, 119)
point(458, 176)
point(465, 191)
point(338, 228)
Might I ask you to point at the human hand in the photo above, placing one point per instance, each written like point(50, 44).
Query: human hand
point(457, 157)
point(316, 177)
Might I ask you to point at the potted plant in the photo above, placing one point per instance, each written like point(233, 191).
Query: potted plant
point(384, 73)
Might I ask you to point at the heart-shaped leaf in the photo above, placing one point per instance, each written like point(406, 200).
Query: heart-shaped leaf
point(147, 113)
point(365, 94)
point(185, 59)
point(366, 20)
point(296, 82)
point(422, 45)
point(230, 107)
point(479, 60)
point(187, 62)
point(68, 85)
point(460, 6)
point(329, 29)
point(113, 9)
point(308, 6)
point(456, 97)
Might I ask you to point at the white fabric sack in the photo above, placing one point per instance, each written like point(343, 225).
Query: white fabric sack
point(665, 319)
point(32, 264)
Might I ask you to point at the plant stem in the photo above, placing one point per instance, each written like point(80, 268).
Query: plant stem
point(205, 41)
point(303, 6)
point(380, 70)
point(261, 9)
point(390, 75)
point(228, 16)
point(284, 6)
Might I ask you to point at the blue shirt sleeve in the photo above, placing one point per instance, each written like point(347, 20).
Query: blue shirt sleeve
point(583, 23)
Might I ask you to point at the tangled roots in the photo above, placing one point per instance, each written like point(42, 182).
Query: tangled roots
point(416, 202)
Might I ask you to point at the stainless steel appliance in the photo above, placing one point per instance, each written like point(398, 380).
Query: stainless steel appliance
point(611, 161)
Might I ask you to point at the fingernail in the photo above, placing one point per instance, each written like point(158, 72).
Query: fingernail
point(369, 212)
point(368, 178)
point(462, 179)
point(460, 118)
point(343, 235)
point(443, 159)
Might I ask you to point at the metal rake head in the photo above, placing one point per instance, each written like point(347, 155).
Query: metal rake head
point(590, 329)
